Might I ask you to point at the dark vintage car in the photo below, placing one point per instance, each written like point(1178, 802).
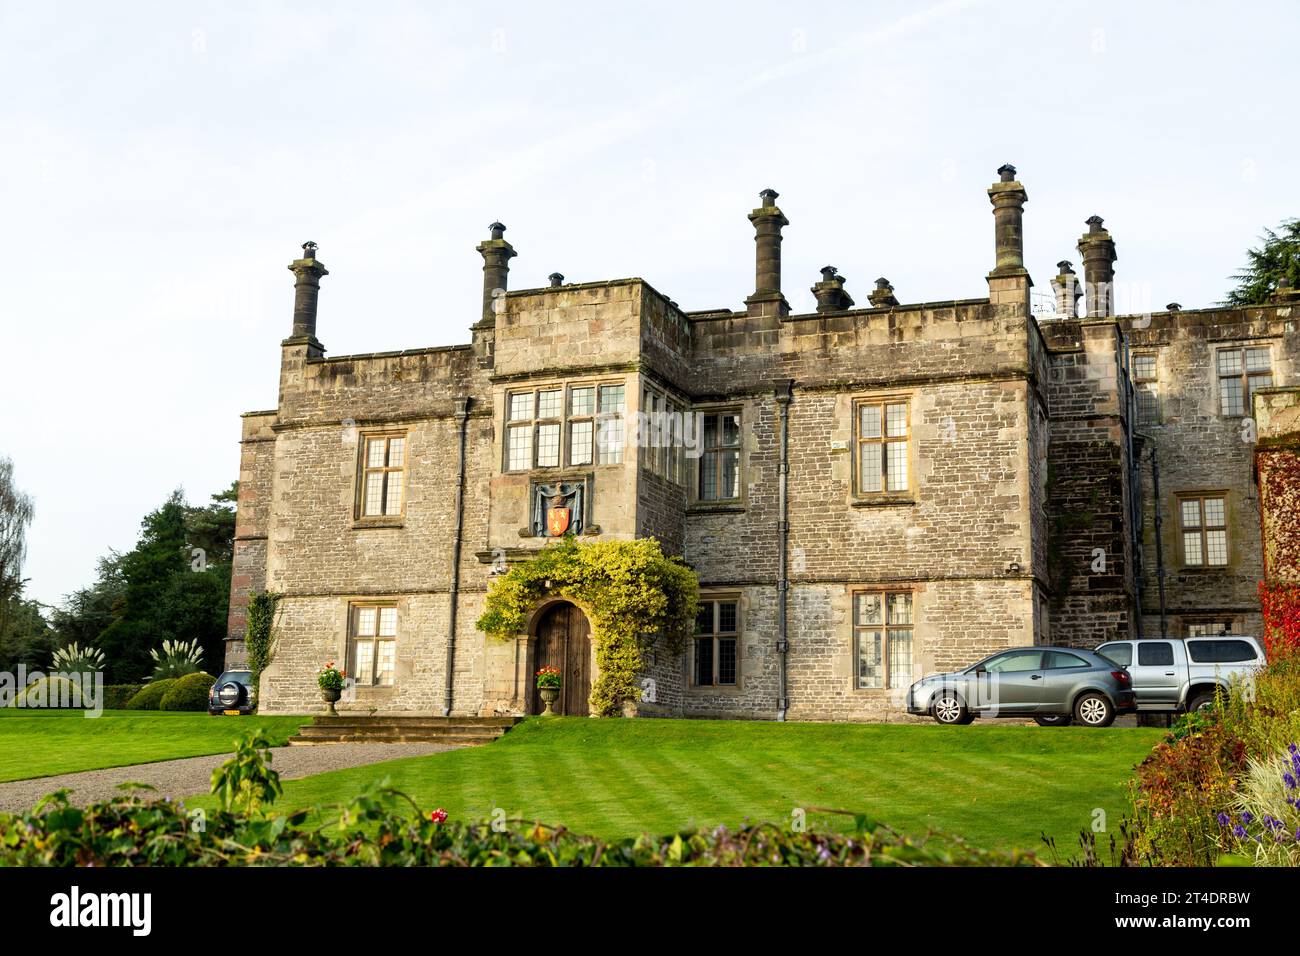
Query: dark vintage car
point(232, 693)
point(1052, 685)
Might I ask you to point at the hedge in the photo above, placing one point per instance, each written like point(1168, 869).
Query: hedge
point(188, 693)
point(150, 695)
point(116, 696)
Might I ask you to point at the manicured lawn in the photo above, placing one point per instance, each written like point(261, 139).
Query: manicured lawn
point(40, 743)
point(997, 786)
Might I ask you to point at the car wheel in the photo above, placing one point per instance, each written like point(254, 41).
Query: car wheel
point(1094, 710)
point(1204, 700)
point(949, 708)
point(1058, 720)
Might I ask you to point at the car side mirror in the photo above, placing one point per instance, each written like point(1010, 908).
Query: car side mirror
point(981, 670)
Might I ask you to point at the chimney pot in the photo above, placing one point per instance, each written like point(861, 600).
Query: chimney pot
point(557, 279)
point(883, 294)
point(1098, 252)
point(1066, 267)
point(830, 293)
point(307, 272)
point(1008, 198)
point(768, 222)
point(496, 253)
point(1173, 307)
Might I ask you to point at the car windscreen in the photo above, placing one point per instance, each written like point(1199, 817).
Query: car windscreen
point(1220, 651)
point(242, 677)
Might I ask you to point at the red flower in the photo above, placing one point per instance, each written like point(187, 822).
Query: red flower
point(438, 816)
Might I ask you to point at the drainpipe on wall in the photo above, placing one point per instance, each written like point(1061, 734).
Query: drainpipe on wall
point(784, 394)
point(1160, 548)
point(453, 595)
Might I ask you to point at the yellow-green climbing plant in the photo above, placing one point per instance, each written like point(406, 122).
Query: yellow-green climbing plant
point(631, 591)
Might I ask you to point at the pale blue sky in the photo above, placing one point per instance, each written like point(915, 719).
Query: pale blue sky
point(161, 162)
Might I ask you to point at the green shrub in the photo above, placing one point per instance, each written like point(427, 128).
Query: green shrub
point(188, 693)
point(150, 695)
point(52, 693)
point(116, 696)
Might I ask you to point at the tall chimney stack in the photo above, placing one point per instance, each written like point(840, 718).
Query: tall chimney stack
point(1008, 197)
point(307, 273)
point(1098, 252)
point(497, 254)
point(768, 222)
point(1065, 285)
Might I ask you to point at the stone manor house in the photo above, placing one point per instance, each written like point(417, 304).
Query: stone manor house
point(867, 494)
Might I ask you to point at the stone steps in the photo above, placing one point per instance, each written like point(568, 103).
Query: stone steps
point(454, 731)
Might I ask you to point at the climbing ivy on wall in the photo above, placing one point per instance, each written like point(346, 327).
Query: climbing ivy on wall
point(628, 590)
point(1279, 594)
point(259, 636)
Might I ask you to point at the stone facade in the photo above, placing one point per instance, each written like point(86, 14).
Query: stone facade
point(1008, 457)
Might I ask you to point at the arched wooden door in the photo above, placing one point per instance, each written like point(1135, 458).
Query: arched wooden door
point(564, 641)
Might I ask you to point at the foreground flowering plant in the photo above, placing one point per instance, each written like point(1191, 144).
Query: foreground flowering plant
point(548, 677)
point(1266, 823)
point(330, 677)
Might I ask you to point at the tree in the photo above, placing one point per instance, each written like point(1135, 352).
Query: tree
point(16, 510)
point(173, 585)
point(1277, 263)
point(26, 638)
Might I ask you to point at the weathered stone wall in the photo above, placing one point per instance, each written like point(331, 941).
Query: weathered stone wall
point(1201, 450)
point(252, 519)
point(1089, 544)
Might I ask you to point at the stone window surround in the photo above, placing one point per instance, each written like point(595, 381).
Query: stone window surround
point(668, 463)
point(695, 502)
point(1216, 624)
point(1201, 495)
point(867, 499)
point(1152, 380)
point(720, 689)
point(884, 590)
point(565, 420)
point(351, 607)
point(1244, 376)
point(360, 520)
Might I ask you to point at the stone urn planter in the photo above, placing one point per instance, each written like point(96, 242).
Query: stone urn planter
point(330, 697)
point(549, 696)
point(548, 688)
point(330, 680)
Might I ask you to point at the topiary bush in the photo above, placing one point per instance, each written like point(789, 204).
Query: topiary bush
point(188, 693)
point(150, 695)
point(52, 693)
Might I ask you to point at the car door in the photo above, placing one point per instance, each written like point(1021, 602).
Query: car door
point(1061, 672)
point(1155, 673)
point(1010, 683)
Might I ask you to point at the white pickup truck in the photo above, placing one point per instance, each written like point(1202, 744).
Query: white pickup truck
point(1178, 675)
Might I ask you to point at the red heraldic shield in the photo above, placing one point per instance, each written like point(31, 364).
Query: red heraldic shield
point(557, 521)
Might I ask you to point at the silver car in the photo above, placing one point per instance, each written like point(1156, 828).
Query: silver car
point(1052, 685)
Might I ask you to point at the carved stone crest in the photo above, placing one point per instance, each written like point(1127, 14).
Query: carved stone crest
point(558, 509)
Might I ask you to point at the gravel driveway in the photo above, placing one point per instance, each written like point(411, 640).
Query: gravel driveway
point(191, 775)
